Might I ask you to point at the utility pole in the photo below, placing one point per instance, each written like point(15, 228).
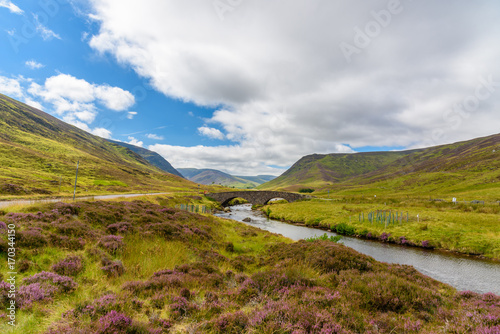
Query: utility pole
point(76, 179)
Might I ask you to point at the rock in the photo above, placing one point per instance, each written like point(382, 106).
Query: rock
point(227, 210)
point(247, 220)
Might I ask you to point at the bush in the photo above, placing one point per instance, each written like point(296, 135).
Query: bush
point(344, 229)
point(324, 237)
point(70, 266)
point(112, 268)
point(32, 238)
point(112, 243)
point(306, 190)
point(113, 323)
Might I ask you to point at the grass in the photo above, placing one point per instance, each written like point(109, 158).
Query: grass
point(462, 228)
point(188, 273)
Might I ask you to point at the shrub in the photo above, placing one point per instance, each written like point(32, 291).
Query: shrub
point(324, 237)
point(63, 241)
point(113, 268)
point(344, 229)
point(306, 190)
point(63, 283)
point(73, 228)
point(122, 227)
point(182, 307)
point(384, 237)
point(70, 266)
point(112, 243)
point(28, 294)
point(230, 323)
point(32, 238)
point(114, 323)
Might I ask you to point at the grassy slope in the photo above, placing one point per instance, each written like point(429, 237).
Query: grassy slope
point(152, 157)
point(469, 169)
point(318, 170)
point(36, 150)
point(185, 273)
point(462, 228)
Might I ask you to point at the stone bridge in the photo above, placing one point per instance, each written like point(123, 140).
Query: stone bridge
point(255, 197)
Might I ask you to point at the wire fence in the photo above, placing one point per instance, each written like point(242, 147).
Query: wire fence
point(195, 208)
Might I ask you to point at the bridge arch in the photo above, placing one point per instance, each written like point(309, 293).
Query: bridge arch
point(255, 197)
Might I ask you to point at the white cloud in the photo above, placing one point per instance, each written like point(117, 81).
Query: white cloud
point(134, 141)
point(33, 103)
point(34, 65)
point(131, 114)
point(102, 132)
point(76, 99)
point(114, 98)
point(154, 136)
point(10, 6)
point(211, 132)
point(285, 85)
point(45, 32)
point(10, 87)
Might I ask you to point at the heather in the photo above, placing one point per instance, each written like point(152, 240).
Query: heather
point(140, 267)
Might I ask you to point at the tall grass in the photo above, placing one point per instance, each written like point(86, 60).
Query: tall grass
point(469, 229)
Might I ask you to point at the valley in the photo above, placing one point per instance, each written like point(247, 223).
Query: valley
point(140, 264)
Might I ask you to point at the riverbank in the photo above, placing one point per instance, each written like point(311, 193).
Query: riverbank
point(468, 230)
point(146, 268)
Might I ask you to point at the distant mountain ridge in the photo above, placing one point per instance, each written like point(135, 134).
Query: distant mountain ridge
point(471, 166)
point(212, 176)
point(152, 157)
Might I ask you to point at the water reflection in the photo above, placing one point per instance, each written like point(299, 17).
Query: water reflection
point(458, 271)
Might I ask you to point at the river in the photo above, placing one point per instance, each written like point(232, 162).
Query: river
point(461, 272)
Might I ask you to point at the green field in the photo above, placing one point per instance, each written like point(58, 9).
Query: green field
point(463, 228)
point(145, 267)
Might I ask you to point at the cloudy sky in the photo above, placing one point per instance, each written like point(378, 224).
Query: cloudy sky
point(250, 86)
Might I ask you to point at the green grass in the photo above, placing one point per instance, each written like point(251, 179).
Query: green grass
point(463, 228)
point(220, 276)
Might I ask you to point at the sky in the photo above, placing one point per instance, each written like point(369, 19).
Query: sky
point(250, 86)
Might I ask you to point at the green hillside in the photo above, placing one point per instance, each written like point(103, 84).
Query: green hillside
point(469, 168)
point(319, 170)
point(39, 154)
point(152, 157)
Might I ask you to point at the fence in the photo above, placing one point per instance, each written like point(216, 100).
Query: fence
point(385, 217)
point(195, 208)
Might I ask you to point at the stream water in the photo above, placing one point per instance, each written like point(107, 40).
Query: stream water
point(461, 272)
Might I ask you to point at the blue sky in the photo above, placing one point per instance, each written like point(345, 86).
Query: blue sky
point(251, 87)
point(65, 50)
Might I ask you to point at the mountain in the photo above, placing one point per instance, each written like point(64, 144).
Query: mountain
point(259, 179)
point(469, 167)
point(321, 169)
point(212, 176)
point(152, 157)
point(39, 154)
